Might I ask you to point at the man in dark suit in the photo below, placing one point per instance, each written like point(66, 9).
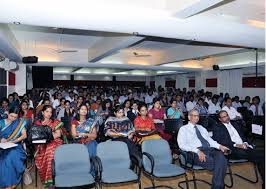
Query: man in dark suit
point(230, 135)
point(133, 113)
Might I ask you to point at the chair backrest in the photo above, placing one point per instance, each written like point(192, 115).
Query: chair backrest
point(160, 151)
point(113, 155)
point(71, 158)
point(173, 125)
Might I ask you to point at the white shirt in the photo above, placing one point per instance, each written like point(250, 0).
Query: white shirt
point(69, 99)
point(208, 100)
point(190, 105)
point(56, 103)
point(236, 105)
point(188, 141)
point(122, 99)
point(233, 133)
point(212, 109)
point(149, 99)
point(231, 112)
point(253, 109)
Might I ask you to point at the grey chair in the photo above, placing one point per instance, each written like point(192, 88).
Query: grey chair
point(239, 161)
point(72, 166)
point(115, 164)
point(189, 166)
point(157, 162)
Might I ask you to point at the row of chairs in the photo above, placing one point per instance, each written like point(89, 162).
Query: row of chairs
point(113, 164)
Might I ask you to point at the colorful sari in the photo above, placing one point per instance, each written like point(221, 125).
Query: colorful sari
point(86, 127)
point(11, 159)
point(45, 154)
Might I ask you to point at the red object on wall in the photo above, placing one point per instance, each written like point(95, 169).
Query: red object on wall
point(253, 82)
point(191, 83)
point(211, 82)
point(170, 83)
point(11, 78)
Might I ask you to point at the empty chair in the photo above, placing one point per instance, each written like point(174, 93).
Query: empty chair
point(114, 164)
point(157, 162)
point(72, 167)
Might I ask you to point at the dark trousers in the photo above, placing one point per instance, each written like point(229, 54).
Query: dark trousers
point(256, 156)
point(215, 162)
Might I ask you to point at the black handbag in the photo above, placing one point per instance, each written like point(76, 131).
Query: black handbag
point(40, 133)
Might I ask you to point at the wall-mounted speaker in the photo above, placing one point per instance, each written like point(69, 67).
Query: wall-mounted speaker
point(30, 59)
point(215, 67)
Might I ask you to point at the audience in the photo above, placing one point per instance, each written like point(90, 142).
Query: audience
point(45, 152)
point(145, 128)
point(231, 135)
point(195, 138)
point(233, 114)
point(256, 107)
point(12, 129)
point(84, 130)
point(87, 114)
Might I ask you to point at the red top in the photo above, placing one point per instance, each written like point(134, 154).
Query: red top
point(28, 115)
point(144, 124)
point(157, 114)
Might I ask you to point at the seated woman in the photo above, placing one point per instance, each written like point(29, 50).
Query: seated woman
point(45, 152)
point(120, 128)
point(175, 113)
point(12, 159)
point(25, 111)
point(84, 131)
point(66, 115)
point(158, 115)
point(4, 104)
point(145, 128)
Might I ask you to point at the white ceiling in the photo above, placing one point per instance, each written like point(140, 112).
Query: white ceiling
point(98, 34)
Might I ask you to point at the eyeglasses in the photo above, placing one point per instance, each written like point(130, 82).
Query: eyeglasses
point(120, 112)
point(224, 116)
point(194, 115)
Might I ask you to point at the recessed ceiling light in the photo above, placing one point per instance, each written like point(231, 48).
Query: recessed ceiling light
point(16, 23)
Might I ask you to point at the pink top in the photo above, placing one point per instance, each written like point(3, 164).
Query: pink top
point(157, 114)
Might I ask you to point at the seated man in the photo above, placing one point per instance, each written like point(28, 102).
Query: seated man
point(195, 138)
point(233, 114)
point(230, 135)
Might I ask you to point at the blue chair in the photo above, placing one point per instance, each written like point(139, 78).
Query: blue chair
point(189, 166)
point(157, 162)
point(239, 161)
point(72, 166)
point(114, 164)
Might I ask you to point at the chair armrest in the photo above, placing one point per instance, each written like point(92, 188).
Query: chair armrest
point(53, 171)
point(95, 167)
point(185, 154)
point(149, 156)
point(100, 166)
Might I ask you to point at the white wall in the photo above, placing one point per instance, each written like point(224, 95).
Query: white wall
point(21, 79)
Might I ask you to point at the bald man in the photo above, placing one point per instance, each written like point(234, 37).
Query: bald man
point(208, 153)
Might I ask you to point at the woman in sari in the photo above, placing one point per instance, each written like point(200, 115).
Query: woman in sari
point(45, 152)
point(84, 131)
point(12, 159)
point(158, 115)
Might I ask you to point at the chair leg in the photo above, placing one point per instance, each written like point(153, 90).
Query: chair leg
point(139, 184)
point(231, 177)
point(186, 181)
point(194, 179)
point(249, 180)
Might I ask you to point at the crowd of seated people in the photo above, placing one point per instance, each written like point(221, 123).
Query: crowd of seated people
point(131, 115)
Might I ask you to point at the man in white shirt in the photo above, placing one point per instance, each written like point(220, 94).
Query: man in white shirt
point(230, 135)
point(256, 107)
point(123, 98)
point(214, 106)
point(195, 138)
point(149, 97)
point(233, 114)
point(236, 104)
point(190, 104)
